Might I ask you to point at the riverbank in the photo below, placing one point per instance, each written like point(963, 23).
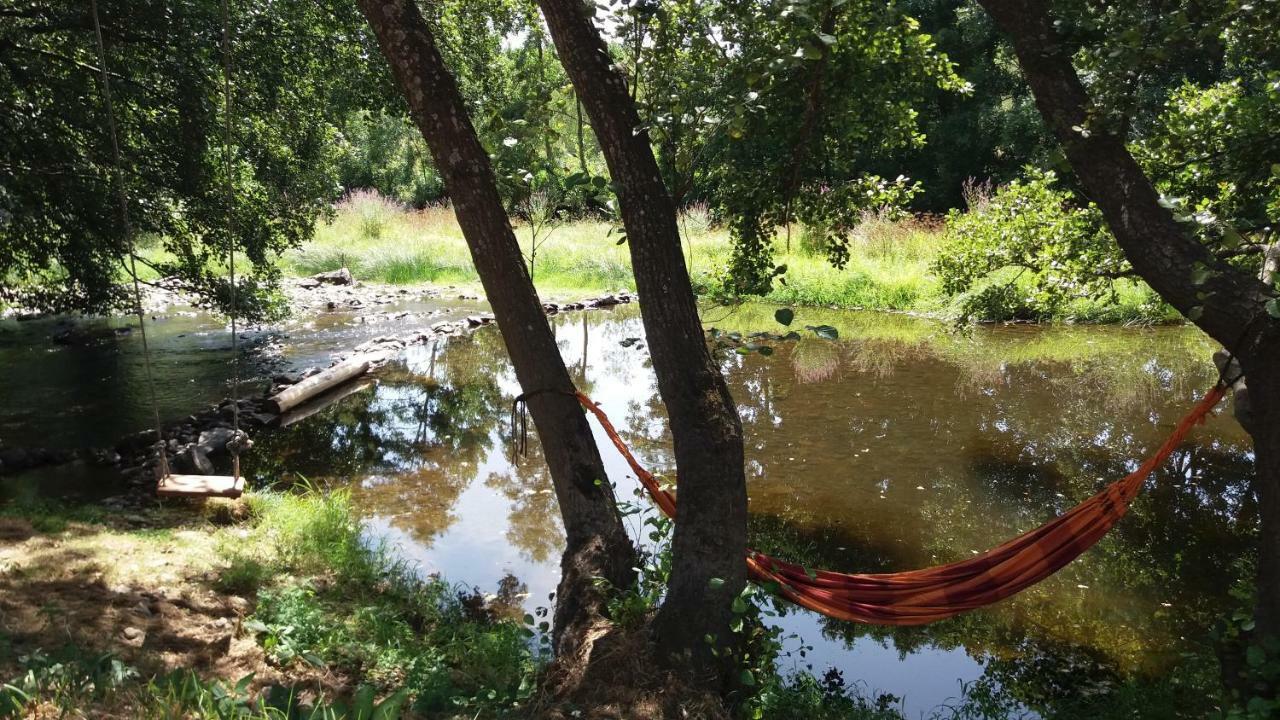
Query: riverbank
point(275, 605)
point(425, 455)
point(888, 267)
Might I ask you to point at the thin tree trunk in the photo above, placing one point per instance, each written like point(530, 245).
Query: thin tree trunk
point(1229, 306)
point(1155, 244)
point(596, 542)
point(1271, 265)
point(814, 97)
point(582, 153)
point(711, 521)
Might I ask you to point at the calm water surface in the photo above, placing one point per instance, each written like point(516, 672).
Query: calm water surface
point(901, 445)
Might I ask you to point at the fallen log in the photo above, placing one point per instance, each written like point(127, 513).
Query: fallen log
point(343, 372)
point(320, 402)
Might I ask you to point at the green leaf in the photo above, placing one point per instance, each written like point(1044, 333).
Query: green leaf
point(389, 708)
point(747, 678)
point(1195, 313)
point(1255, 656)
point(739, 605)
point(1273, 308)
point(715, 583)
point(1200, 274)
point(1231, 237)
point(784, 316)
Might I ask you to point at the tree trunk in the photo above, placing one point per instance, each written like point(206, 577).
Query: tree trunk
point(1230, 306)
point(711, 521)
point(1227, 305)
point(1264, 424)
point(596, 542)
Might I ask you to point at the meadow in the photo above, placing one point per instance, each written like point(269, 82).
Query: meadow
point(888, 269)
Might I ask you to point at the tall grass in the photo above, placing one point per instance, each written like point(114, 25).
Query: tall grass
point(888, 266)
point(380, 241)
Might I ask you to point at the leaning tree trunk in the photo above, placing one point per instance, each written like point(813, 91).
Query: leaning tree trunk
point(596, 542)
point(711, 519)
point(1229, 306)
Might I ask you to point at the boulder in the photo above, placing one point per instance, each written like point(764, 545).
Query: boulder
point(341, 276)
point(214, 440)
point(193, 461)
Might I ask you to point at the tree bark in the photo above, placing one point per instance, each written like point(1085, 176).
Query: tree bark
point(1230, 306)
point(711, 521)
point(1156, 245)
point(596, 542)
point(1270, 265)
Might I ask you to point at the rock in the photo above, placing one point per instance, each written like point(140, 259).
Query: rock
point(214, 440)
point(193, 461)
point(341, 276)
point(474, 321)
point(136, 442)
point(259, 418)
point(287, 378)
point(104, 457)
point(14, 458)
point(134, 637)
point(308, 284)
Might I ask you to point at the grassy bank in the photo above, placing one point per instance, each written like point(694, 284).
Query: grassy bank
point(888, 269)
point(275, 606)
point(262, 608)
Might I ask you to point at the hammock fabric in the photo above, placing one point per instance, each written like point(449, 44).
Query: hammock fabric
point(916, 597)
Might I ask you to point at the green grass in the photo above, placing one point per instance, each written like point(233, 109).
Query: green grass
point(888, 267)
point(353, 607)
point(328, 601)
point(382, 242)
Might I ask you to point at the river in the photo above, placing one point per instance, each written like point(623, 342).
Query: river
point(902, 444)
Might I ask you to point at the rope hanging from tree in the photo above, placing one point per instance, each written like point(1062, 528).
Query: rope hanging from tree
point(168, 483)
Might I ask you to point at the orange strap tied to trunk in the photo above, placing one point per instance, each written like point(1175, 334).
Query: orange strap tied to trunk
point(916, 597)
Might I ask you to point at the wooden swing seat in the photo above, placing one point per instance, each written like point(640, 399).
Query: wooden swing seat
point(200, 486)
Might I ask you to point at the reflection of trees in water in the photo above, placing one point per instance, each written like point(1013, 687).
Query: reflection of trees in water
point(535, 526)
point(996, 446)
point(1001, 430)
point(816, 360)
point(419, 440)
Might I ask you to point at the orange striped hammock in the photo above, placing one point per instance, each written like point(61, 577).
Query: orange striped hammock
point(916, 597)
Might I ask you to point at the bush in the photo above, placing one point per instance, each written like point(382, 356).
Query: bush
point(1043, 249)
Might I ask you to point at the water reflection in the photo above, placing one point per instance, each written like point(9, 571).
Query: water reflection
point(901, 446)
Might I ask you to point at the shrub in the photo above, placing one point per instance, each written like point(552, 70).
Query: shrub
point(1059, 251)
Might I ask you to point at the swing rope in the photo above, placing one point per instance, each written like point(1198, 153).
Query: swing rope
point(127, 227)
point(238, 441)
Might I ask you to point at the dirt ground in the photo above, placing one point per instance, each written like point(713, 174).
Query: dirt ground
point(140, 587)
